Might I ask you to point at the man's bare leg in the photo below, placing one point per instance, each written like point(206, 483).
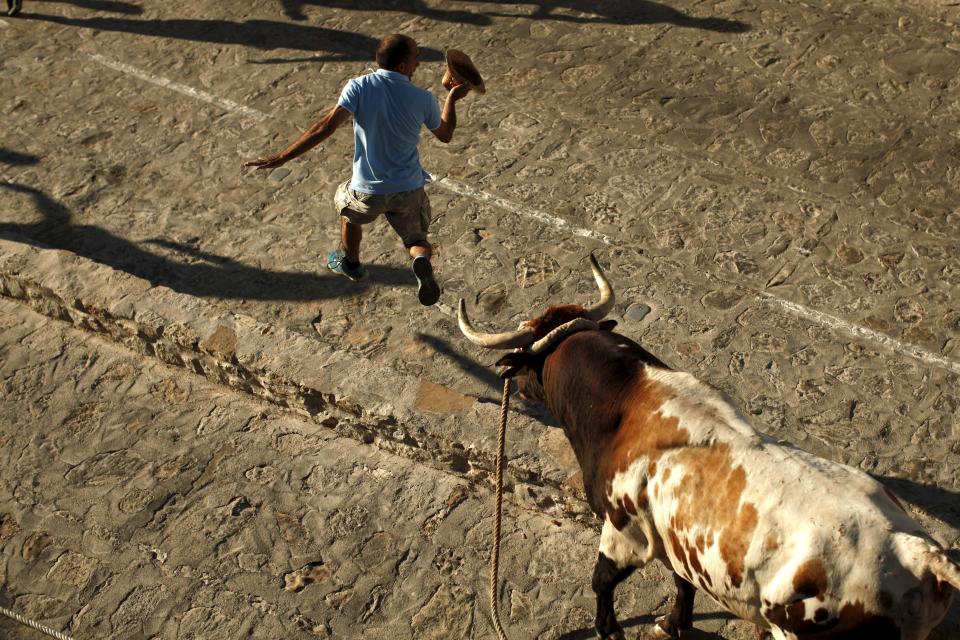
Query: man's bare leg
point(350, 236)
point(424, 249)
point(345, 260)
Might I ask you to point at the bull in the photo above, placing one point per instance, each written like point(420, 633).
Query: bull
point(804, 547)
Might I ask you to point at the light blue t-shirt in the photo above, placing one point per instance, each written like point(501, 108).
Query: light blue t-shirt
point(388, 111)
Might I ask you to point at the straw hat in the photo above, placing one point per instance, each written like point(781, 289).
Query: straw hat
point(462, 69)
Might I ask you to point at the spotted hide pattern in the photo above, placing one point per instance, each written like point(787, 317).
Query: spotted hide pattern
point(803, 546)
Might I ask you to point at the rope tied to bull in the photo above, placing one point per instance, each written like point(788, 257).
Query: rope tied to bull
point(497, 515)
point(27, 622)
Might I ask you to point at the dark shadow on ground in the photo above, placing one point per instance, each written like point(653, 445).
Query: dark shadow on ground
point(258, 34)
point(293, 9)
point(649, 619)
point(625, 12)
point(200, 273)
point(943, 504)
point(486, 374)
point(16, 158)
point(109, 6)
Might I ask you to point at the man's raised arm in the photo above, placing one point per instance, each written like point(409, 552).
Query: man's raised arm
point(310, 138)
point(448, 119)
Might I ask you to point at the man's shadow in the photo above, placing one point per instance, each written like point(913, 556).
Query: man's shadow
point(293, 9)
point(201, 273)
point(265, 35)
point(108, 6)
point(624, 12)
point(8, 156)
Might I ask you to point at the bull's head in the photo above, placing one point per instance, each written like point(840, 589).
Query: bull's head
point(533, 340)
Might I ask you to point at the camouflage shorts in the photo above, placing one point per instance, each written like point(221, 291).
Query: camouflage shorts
point(408, 212)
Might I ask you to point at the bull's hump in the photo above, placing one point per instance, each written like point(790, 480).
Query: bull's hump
point(662, 410)
point(645, 428)
point(700, 409)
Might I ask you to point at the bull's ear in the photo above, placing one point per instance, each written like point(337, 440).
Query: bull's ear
point(608, 325)
point(512, 359)
point(514, 362)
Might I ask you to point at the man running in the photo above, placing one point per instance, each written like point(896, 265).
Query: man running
point(387, 111)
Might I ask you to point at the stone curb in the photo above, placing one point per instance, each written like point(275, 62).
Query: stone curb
point(331, 387)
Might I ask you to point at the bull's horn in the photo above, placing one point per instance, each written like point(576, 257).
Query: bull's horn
point(577, 324)
point(598, 311)
point(507, 340)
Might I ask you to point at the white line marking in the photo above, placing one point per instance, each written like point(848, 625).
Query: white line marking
point(466, 190)
point(455, 186)
point(863, 333)
point(223, 103)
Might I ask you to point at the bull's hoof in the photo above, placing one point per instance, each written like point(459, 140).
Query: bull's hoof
point(616, 634)
point(665, 629)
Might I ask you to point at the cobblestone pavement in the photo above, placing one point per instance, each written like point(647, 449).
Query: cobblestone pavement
point(772, 186)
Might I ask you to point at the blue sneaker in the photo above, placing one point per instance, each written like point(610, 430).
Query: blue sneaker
point(337, 262)
point(429, 291)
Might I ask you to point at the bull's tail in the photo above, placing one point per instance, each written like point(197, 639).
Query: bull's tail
point(945, 569)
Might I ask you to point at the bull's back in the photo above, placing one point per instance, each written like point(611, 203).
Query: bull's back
point(775, 534)
point(786, 539)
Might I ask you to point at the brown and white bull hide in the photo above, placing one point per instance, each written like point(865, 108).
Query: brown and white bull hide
point(804, 547)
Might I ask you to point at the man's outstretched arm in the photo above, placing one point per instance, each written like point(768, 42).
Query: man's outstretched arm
point(448, 119)
point(310, 138)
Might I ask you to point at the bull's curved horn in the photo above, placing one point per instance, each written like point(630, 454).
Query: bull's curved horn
point(577, 324)
point(507, 340)
point(598, 311)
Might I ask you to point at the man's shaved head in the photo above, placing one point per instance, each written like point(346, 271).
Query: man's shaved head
point(393, 50)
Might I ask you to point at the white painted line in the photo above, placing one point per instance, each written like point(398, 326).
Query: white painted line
point(459, 188)
point(223, 103)
point(863, 333)
point(466, 190)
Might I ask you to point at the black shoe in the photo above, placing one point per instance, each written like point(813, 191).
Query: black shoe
point(429, 291)
point(13, 7)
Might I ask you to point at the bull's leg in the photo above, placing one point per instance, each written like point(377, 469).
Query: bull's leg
point(680, 617)
point(764, 634)
point(606, 577)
